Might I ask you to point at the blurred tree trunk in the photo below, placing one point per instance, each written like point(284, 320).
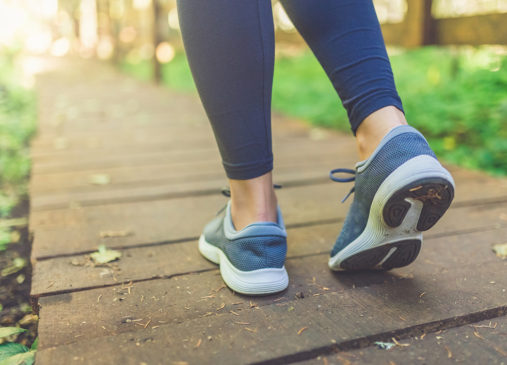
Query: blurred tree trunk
point(157, 71)
point(71, 7)
point(419, 25)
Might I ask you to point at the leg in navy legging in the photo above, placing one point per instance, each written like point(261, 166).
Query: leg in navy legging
point(230, 48)
point(345, 37)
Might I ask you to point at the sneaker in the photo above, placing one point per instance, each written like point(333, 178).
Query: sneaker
point(251, 260)
point(400, 191)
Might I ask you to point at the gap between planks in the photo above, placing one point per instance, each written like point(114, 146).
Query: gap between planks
point(400, 334)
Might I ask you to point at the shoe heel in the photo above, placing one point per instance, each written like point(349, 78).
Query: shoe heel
point(210, 252)
point(435, 194)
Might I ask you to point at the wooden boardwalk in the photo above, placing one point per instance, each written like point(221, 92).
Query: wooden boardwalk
point(134, 167)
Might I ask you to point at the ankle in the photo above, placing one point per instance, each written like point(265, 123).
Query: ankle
point(375, 127)
point(252, 201)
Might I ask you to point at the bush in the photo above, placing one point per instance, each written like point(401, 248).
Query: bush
point(17, 125)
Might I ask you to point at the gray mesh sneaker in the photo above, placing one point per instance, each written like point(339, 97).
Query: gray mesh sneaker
point(399, 191)
point(251, 260)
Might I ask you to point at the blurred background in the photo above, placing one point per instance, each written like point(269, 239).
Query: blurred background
point(448, 57)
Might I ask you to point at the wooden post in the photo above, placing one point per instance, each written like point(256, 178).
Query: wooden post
point(157, 72)
point(418, 24)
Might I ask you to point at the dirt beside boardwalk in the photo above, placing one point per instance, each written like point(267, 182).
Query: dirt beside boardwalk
point(15, 287)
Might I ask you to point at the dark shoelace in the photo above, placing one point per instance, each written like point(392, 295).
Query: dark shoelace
point(226, 191)
point(343, 180)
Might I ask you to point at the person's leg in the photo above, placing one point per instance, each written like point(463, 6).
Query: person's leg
point(230, 50)
point(400, 188)
point(345, 37)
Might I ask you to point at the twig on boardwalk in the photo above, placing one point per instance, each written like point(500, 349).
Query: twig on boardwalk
point(399, 343)
point(476, 334)
point(484, 326)
point(301, 330)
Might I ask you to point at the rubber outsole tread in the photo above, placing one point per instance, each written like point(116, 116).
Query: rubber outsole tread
point(436, 194)
point(406, 252)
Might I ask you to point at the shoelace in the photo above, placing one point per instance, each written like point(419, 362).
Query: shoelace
point(226, 191)
point(343, 180)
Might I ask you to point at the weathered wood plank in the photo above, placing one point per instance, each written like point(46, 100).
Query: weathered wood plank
point(205, 177)
point(77, 272)
point(168, 136)
point(151, 183)
point(479, 343)
point(68, 231)
point(208, 152)
point(275, 330)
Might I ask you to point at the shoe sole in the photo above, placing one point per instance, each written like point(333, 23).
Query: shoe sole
point(255, 282)
point(411, 200)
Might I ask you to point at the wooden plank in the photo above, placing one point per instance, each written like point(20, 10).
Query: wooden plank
point(205, 177)
point(77, 272)
point(72, 230)
point(76, 230)
point(275, 330)
point(87, 161)
point(149, 182)
point(308, 150)
point(148, 137)
point(479, 343)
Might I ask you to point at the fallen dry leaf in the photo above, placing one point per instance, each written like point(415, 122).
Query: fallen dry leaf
point(104, 255)
point(500, 250)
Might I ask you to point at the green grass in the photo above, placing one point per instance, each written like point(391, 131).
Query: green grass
point(17, 125)
point(456, 96)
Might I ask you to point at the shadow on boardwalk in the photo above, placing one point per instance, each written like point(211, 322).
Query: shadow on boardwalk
point(134, 167)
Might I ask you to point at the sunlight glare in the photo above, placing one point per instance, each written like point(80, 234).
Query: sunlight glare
point(165, 52)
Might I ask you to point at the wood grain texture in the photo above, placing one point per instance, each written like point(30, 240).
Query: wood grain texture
point(439, 274)
point(329, 318)
point(479, 343)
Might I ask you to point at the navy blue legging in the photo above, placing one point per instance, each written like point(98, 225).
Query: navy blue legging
point(230, 49)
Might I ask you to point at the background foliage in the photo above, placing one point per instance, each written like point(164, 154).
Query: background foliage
point(17, 125)
point(456, 96)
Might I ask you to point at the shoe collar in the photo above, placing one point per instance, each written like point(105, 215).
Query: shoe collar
point(396, 131)
point(268, 228)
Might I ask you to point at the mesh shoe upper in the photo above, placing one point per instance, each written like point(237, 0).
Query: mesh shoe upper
point(398, 146)
point(258, 246)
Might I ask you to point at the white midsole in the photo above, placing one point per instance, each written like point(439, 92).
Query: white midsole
point(377, 233)
point(255, 282)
